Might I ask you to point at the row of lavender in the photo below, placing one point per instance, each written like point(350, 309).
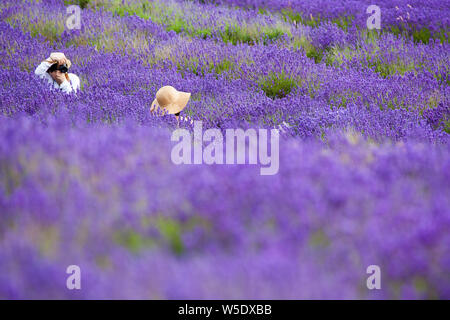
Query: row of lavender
point(100, 197)
point(413, 16)
point(81, 181)
point(234, 85)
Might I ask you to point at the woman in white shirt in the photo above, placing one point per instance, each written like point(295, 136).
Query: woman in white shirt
point(57, 77)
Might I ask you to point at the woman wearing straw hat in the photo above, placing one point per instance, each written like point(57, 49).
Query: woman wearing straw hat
point(169, 100)
point(55, 70)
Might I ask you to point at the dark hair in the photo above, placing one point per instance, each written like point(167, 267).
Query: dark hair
point(178, 113)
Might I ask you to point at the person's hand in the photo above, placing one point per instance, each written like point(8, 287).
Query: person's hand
point(58, 76)
point(62, 61)
point(59, 58)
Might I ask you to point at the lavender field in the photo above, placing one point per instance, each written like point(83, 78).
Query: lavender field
point(87, 179)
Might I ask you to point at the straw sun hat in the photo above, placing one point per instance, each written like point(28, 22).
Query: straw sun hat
point(58, 55)
point(170, 100)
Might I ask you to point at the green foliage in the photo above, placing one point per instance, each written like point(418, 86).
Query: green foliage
point(340, 100)
point(225, 65)
point(133, 240)
point(315, 54)
point(310, 51)
point(343, 22)
point(203, 33)
point(319, 239)
point(420, 35)
point(51, 30)
point(271, 35)
point(262, 11)
point(10, 178)
point(174, 20)
point(447, 126)
point(385, 69)
point(178, 25)
point(47, 29)
point(277, 85)
point(235, 35)
point(290, 15)
point(82, 3)
point(193, 65)
point(171, 231)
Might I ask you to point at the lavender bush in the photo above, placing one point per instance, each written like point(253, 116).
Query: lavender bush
point(420, 20)
point(87, 179)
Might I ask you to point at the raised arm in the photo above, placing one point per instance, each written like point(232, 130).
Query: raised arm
point(41, 69)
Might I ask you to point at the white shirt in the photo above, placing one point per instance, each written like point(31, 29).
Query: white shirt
point(66, 86)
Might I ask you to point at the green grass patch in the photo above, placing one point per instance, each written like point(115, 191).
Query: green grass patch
point(423, 35)
point(82, 3)
point(296, 17)
point(310, 51)
point(174, 19)
point(447, 126)
point(236, 35)
point(291, 16)
point(51, 30)
point(385, 69)
point(133, 240)
point(277, 85)
point(170, 230)
point(194, 65)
